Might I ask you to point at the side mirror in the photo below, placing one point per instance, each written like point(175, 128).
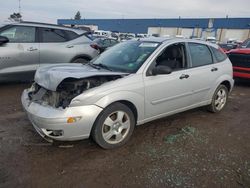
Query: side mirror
point(3, 40)
point(161, 69)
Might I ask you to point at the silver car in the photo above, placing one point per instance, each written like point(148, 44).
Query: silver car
point(26, 46)
point(130, 84)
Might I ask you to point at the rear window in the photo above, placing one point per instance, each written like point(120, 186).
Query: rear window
point(53, 35)
point(219, 55)
point(200, 54)
point(71, 35)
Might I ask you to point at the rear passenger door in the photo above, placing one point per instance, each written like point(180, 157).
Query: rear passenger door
point(54, 46)
point(203, 72)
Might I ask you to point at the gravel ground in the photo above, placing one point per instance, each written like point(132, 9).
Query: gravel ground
point(191, 149)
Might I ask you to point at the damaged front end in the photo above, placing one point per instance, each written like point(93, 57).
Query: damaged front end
point(67, 90)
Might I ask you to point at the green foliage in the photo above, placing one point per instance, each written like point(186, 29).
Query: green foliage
point(78, 15)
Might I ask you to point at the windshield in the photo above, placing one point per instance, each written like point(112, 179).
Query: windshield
point(126, 56)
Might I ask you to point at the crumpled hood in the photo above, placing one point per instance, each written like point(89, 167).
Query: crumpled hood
point(51, 76)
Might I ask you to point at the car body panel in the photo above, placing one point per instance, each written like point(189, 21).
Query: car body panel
point(240, 59)
point(46, 118)
point(18, 59)
point(52, 75)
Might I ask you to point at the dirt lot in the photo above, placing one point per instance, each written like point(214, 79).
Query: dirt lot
point(191, 149)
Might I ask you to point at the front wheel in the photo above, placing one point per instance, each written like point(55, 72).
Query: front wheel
point(114, 126)
point(219, 100)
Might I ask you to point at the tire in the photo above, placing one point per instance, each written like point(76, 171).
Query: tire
point(81, 60)
point(114, 126)
point(219, 99)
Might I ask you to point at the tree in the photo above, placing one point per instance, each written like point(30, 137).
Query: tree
point(15, 17)
point(78, 15)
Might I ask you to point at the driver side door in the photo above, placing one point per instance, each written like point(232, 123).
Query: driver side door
point(167, 93)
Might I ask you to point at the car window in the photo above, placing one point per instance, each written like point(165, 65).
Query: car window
point(245, 44)
point(126, 56)
point(106, 42)
point(219, 55)
point(248, 44)
point(113, 42)
point(173, 56)
point(200, 54)
point(71, 35)
point(20, 34)
point(53, 35)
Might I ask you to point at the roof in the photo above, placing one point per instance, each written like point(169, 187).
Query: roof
point(142, 25)
point(136, 25)
point(232, 23)
point(37, 24)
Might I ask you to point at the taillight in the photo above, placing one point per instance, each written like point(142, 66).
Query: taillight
point(95, 46)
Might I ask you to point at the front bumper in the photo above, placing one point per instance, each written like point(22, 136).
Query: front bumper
point(47, 119)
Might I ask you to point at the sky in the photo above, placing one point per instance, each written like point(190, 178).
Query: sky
point(51, 10)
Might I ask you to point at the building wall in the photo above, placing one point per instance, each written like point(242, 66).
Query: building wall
point(221, 28)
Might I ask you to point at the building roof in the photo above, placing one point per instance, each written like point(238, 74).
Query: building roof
point(142, 25)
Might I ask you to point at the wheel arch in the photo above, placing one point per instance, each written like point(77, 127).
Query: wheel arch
point(83, 56)
point(129, 104)
point(227, 84)
point(132, 100)
point(225, 80)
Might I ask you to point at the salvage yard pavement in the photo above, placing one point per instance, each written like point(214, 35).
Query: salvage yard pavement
point(191, 149)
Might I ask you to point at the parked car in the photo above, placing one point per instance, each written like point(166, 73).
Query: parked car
point(102, 33)
point(227, 46)
point(240, 59)
point(245, 44)
point(212, 40)
point(26, 46)
point(104, 43)
point(130, 84)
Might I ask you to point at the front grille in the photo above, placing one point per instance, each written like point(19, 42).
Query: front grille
point(240, 60)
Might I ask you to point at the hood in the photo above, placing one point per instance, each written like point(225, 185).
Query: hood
point(51, 76)
point(240, 51)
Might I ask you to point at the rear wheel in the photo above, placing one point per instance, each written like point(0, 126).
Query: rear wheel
point(219, 100)
point(114, 126)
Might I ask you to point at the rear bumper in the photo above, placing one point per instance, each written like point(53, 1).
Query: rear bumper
point(47, 119)
point(241, 72)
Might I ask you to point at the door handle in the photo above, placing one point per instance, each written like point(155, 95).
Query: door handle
point(31, 49)
point(214, 69)
point(70, 46)
point(184, 76)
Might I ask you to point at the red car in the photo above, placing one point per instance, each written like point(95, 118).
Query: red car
point(240, 59)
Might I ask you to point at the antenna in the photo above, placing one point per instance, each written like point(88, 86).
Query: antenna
point(19, 6)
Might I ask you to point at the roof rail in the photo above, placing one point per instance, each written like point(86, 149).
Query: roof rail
point(40, 23)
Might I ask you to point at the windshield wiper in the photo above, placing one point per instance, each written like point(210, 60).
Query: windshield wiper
point(103, 66)
point(93, 65)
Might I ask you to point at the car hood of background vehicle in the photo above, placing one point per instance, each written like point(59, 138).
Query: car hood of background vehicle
point(51, 76)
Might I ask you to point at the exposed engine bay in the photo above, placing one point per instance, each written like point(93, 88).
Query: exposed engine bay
point(68, 89)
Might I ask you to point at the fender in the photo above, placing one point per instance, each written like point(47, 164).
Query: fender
point(136, 99)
